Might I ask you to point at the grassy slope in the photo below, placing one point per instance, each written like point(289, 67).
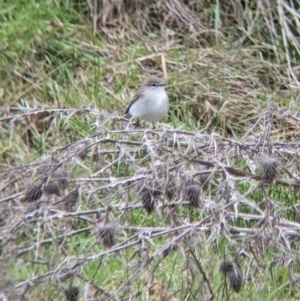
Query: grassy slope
point(50, 57)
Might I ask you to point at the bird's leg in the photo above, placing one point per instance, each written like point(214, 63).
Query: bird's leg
point(137, 124)
point(153, 126)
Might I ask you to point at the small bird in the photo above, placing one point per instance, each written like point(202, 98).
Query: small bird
point(150, 102)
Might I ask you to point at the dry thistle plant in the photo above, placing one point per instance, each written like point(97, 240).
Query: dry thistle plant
point(47, 164)
point(70, 200)
point(147, 198)
point(32, 193)
point(193, 195)
point(51, 189)
point(61, 176)
point(269, 166)
point(147, 194)
point(106, 232)
point(235, 280)
point(72, 293)
point(233, 274)
point(151, 169)
point(171, 248)
point(171, 190)
point(82, 150)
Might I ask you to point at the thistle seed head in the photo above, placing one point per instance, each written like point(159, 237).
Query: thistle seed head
point(72, 293)
point(193, 195)
point(61, 176)
point(262, 242)
point(270, 167)
point(146, 196)
point(70, 200)
point(32, 193)
point(235, 280)
point(153, 185)
point(226, 266)
point(106, 233)
point(169, 249)
point(233, 274)
point(156, 192)
point(47, 164)
point(204, 178)
point(82, 151)
point(96, 155)
point(52, 188)
point(171, 190)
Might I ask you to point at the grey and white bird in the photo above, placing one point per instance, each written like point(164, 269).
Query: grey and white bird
point(150, 102)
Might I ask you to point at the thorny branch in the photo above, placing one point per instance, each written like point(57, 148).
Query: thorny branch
point(169, 173)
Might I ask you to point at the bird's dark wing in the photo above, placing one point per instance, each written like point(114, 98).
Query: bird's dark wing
point(135, 97)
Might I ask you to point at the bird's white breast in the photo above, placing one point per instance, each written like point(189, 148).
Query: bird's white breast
point(152, 105)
